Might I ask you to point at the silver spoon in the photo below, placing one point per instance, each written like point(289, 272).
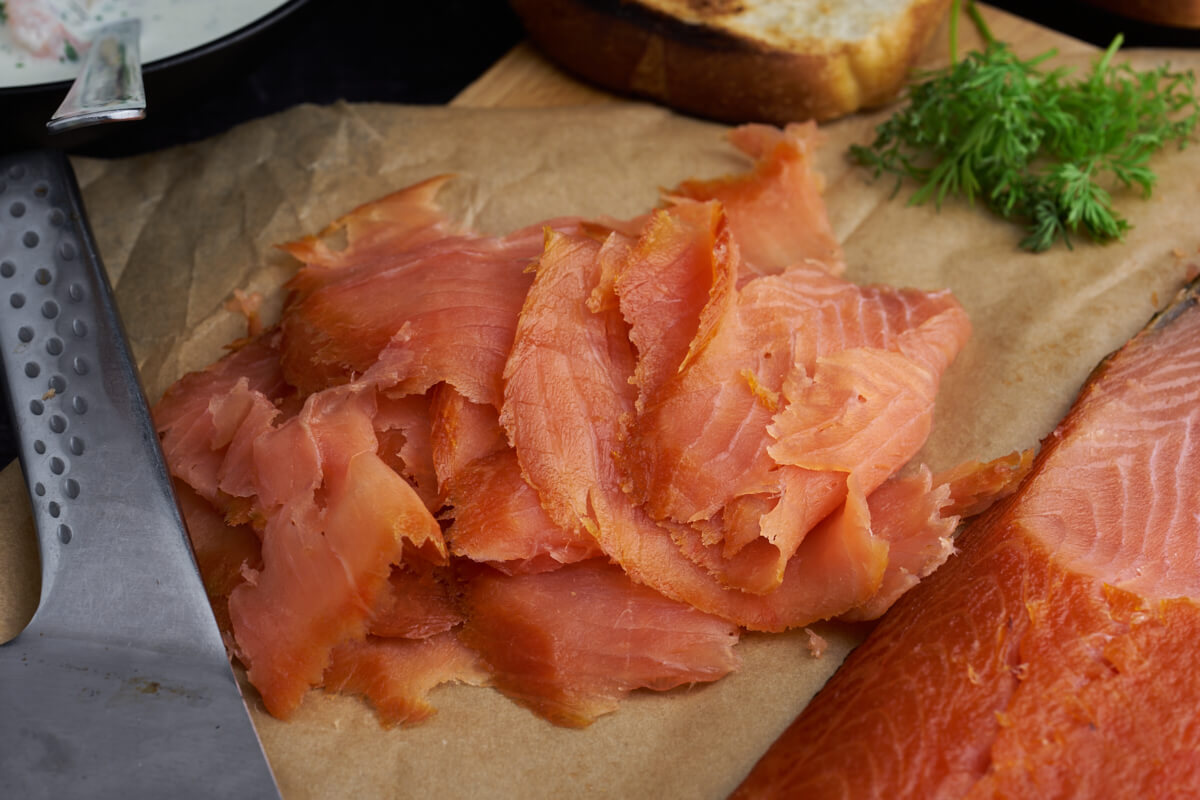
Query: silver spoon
point(109, 86)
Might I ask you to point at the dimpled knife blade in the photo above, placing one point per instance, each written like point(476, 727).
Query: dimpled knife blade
point(119, 686)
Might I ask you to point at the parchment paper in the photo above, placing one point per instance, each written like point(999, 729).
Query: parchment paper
point(181, 229)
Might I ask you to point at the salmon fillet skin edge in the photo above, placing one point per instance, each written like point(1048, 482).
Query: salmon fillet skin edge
point(1056, 655)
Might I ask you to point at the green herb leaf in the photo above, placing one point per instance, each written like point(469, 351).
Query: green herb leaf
point(1036, 146)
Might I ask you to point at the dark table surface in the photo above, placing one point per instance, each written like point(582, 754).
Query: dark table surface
point(426, 53)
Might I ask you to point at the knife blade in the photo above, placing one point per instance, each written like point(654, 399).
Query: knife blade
point(120, 685)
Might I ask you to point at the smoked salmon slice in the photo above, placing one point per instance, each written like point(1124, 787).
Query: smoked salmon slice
point(461, 432)
point(451, 302)
point(223, 552)
point(456, 302)
point(674, 284)
point(775, 210)
point(718, 408)
point(403, 427)
point(573, 642)
point(1054, 656)
point(396, 675)
point(566, 381)
point(416, 603)
point(499, 520)
point(200, 415)
point(398, 222)
point(337, 518)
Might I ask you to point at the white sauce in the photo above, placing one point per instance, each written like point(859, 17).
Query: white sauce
point(169, 27)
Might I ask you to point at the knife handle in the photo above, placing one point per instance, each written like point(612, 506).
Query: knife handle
point(115, 557)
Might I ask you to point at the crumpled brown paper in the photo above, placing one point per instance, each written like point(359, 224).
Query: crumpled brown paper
point(181, 229)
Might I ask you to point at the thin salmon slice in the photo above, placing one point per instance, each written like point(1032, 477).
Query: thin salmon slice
point(403, 427)
point(452, 302)
point(916, 518)
point(674, 286)
point(570, 644)
point(499, 520)
point(775, 210)
point(975, 486)
point(333, 516)
point(452, 299)
point(497, 516)
point(460, 432)
point(337, 518)
point(200, 415)
point(401, 221)
point(416, 603)
point(1054, 656)
point(396, 675)
point(567, 381)
point(224, 553)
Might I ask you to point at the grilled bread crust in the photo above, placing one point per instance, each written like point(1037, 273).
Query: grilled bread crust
point(738, 61)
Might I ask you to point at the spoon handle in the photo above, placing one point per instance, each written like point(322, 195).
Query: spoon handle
point(109, 86)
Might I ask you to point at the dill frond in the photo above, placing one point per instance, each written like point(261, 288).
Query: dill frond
point(1036, 146)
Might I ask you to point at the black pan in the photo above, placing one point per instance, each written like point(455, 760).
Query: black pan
point(170, 82)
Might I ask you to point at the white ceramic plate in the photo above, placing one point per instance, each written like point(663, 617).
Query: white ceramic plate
point(169, 28)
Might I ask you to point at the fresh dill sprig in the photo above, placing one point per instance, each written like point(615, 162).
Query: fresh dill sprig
point(1034, 145)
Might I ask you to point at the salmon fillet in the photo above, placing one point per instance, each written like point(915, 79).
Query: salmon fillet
point(1054, 657)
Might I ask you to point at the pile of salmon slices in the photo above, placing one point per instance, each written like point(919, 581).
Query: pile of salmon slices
point(572, 461)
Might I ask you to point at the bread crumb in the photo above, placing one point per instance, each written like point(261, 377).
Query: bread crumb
point(816, 643)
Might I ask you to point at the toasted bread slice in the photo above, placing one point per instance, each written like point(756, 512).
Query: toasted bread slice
point(739, 60)
point(1174, 13)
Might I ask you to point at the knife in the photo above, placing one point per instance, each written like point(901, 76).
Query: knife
point(120, 685)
